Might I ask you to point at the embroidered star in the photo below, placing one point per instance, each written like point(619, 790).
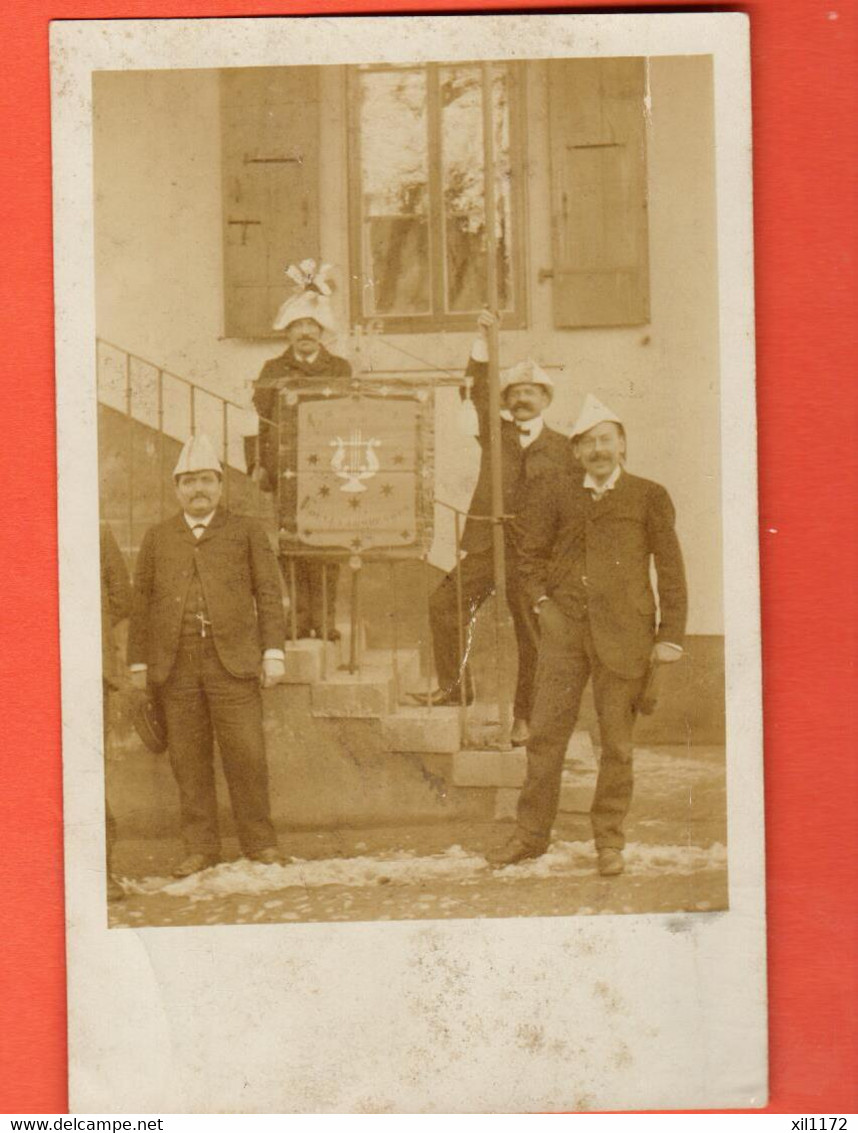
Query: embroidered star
point(387, 489)
point(354, 502)
point(399, 458)
point(312, 458)
point(405, 534)
point(324, 491)
point(357, 544)
point(289, 474)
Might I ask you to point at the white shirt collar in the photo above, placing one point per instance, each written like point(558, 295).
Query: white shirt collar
point(528, 431)
point(600, 490)
point(198, 520)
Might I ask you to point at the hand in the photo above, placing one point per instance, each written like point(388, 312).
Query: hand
point(486, 319)
point(138, 678)
point(273, 671)
point(665, 654)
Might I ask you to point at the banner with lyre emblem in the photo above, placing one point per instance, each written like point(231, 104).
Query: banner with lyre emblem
point(363, 476)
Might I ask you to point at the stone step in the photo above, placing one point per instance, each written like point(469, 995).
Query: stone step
point(304, 660)
point(581, 751)
point(489, 768)
point(422, 730)
point(504, 769)
point(367, 694)
point(576, 791)
point(576, 795)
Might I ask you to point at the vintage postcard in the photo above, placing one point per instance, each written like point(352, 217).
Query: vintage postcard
point(410, 634)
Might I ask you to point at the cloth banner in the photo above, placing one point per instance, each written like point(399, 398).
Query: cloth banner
point(363, 475)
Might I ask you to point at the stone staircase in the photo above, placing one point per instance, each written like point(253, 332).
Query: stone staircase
point(343, 748)
point(479, 781)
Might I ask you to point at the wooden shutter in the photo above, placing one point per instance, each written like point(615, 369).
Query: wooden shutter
point(270, 147)
point(599, 192)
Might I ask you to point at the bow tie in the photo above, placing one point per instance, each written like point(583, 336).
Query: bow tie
point(525, 430)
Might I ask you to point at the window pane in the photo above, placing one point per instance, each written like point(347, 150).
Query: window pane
point(464, 187)
point(395, 193)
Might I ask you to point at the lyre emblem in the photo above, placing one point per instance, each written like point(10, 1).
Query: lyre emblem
point(355, 461)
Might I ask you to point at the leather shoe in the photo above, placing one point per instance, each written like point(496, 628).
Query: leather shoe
point(195, 863)
point(611, 862)
point(520, 733)
point(269, 856)
point(443, 698)
point(515, 850)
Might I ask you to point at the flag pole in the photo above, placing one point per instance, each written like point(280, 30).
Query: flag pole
point(492, 299)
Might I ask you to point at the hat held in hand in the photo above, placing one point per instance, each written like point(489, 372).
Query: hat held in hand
point(150, 723)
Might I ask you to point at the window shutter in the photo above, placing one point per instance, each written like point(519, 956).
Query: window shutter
point(599, 192)
point(270, 147)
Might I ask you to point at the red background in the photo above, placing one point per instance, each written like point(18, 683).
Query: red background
point(804, 75)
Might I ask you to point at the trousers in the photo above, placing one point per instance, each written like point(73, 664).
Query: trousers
point(303, 578)
point(567, 659)
point(202, 701)
point(478, 582)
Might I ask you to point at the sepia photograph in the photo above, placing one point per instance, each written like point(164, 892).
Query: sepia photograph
point(410, 449)
point(378, 680)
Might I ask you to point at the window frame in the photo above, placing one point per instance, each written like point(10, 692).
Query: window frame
point(437, 319)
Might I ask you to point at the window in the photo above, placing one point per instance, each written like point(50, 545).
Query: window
point(417, 180)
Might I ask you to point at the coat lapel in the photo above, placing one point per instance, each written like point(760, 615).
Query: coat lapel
point(181, 529)
point(218, 522)
point(608, 504)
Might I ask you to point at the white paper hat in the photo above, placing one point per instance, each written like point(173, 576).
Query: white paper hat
point(312, 301)
point(525, 372)
point(593, 413)
point(197, 455)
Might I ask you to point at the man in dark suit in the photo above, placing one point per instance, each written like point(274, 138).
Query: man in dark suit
point(206, 630)
point(305, 365)
point(115, 608)
point(529, 449)
point(586, 549)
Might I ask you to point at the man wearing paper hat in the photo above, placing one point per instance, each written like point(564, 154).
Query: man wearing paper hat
point(305, 367)
point(585, 554)
point(529, 449)
point(206, 631)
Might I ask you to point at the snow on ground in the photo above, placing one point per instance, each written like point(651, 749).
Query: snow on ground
point(565, 859)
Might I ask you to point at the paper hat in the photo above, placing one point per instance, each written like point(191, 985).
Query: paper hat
point(593, 413)
point(525, 372)
point(312, 301)
point(197, 455)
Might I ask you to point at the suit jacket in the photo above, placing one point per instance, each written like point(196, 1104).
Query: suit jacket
point(550, 454)
point(278, 427)
point(593, 559)
point(115, 603)
point(241, 583)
